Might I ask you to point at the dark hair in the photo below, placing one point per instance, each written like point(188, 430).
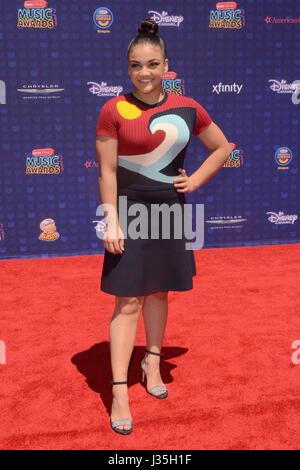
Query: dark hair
point(148, 34)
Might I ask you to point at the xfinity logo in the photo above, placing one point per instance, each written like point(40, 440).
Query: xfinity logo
point(222, 88)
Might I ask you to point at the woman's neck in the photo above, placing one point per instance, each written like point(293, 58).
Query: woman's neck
point(150, 98)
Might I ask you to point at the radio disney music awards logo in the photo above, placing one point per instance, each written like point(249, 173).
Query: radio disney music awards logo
point(163, 19)
point(283, 157)
point(283, 87)
point(279, 218)
point(2, 233)
point(227, 15)
point(235, 159)
point(44, 161)
point(225, 222)
point(103, 19)
point(37, 14)
point(102, 89)
point(43, 91)
point(172, 84)
point(229, 88)
point(2, 92)
point(49, 233)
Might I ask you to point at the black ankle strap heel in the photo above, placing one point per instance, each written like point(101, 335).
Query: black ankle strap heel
point(157, 388)
point(155, 353)
point(115, 424)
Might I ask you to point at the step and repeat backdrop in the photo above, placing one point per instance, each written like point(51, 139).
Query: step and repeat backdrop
point(61, 60)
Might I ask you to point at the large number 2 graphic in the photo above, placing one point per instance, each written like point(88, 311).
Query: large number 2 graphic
point(295, 95)
point(177, 135)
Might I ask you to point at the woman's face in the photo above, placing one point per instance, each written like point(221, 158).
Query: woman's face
point(146, 67)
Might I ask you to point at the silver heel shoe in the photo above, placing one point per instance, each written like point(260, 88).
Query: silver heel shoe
point(121, 422)
point(158, 388)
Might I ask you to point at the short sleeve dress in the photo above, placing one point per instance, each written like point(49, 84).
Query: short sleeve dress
point(152, 142)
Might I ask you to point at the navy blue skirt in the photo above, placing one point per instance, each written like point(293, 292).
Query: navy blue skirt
point(152, 263)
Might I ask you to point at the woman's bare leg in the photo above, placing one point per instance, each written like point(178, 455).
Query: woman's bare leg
point(155, 313)
point(122, 334)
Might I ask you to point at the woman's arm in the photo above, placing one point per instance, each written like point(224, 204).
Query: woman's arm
point(214, 139)
point(107, 155)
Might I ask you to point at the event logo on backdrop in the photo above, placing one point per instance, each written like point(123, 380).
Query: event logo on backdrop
point(226, 222)
point(273, 20)
point(229, 88)
point(91, 164)
point(172, 84)
point(44, 161)
point(279, 218)
point(227, 15)
point(164, 19)
point(41, 92)
point(49, 232)
point(103, 19)
point(235, 159)
point(102, 89)
point(283, 157)
point(2, 92)
point(37, 14)
point(282, 87)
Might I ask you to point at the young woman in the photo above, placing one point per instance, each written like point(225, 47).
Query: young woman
point(141, 142)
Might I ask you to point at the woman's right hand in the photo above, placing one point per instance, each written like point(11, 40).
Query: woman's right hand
point(113, 238)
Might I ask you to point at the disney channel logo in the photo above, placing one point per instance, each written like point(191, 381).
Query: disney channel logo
point(102, 89)
point(281, 219)
point(284, 87)
point(164, 19)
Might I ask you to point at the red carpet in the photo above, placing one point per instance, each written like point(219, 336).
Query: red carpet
point(228, 352)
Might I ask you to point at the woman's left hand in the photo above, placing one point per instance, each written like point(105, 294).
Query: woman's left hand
point(183, 183)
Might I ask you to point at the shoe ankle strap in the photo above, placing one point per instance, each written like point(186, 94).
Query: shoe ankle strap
point(119, 383)
point(155, 353)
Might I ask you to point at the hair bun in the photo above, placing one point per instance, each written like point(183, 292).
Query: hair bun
point(148, 26)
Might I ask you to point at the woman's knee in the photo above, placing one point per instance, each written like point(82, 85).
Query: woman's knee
point(129, 305)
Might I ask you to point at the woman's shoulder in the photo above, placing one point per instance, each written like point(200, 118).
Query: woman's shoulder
point(113, 100)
